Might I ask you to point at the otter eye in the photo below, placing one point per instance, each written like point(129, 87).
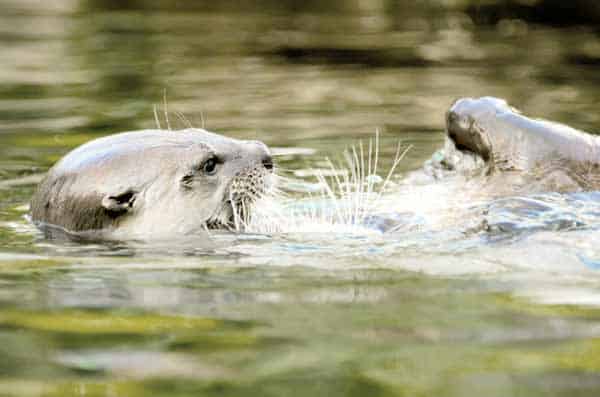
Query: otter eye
point(210, 166)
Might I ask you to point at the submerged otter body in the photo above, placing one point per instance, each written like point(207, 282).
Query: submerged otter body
point(153, 183)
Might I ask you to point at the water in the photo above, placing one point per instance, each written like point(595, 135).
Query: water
point(471, 296)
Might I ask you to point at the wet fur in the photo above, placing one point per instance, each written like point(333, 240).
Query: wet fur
point(53, 205)
point(552, 156)
point(161, 173)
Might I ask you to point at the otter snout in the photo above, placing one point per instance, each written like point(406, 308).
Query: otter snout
point(253, 179)
point(267, 162)
point(261, 154)
point(462, 128)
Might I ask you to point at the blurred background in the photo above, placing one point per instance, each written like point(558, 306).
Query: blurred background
point(281, 315)
point(292, 73)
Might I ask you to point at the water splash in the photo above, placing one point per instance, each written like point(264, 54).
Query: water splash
point(343, 199)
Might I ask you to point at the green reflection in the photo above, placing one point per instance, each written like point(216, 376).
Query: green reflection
point(91, 323)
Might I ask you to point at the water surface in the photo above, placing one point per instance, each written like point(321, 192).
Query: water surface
point(511, 309)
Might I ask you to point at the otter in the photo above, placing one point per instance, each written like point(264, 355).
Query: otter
point(499, 133)
point(153, 183)
point(506, 140)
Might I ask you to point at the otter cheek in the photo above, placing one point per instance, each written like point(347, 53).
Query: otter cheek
point(195, 207)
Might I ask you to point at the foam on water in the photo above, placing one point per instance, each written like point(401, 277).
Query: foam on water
point(453, 224)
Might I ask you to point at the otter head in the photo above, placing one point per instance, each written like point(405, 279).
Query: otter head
point(481, 127)
point(464, 128)
point(211, 182)
point(155, 183)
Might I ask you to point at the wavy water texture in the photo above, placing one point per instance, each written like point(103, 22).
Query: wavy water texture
point(449, 288)
point(451, 217)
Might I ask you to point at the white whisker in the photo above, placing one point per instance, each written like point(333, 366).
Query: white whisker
point(343, 198)
point(183, 119)
point(202, 124)
point(156, 118)
point(166, 109)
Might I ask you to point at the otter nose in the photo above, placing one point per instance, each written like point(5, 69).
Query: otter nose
point(263, 154)
point(267, 161)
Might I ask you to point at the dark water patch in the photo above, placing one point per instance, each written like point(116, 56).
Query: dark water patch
point(584, 60)
point(551, 12)
point(348, 56)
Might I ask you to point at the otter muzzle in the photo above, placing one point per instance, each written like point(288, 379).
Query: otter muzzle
point(467, 135)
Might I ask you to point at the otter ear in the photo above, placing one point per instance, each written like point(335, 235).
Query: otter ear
point(121, 202)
